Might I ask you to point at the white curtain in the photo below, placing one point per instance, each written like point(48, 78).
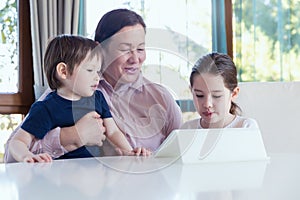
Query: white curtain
point(49, 18)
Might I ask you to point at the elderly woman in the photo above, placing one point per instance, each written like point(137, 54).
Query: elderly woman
point(144, 111)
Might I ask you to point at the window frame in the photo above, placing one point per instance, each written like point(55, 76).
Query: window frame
point(20, 102)
point(228, 23)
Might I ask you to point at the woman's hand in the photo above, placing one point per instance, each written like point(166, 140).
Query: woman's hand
point(89, 131)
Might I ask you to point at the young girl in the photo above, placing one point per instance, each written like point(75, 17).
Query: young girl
point(72, 65)
point(214, 85)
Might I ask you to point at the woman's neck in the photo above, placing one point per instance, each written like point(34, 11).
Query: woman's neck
point(110, 80)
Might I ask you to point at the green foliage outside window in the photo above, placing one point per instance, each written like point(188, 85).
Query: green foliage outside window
point(8, 38)
point(267, 39)
point(8, 28)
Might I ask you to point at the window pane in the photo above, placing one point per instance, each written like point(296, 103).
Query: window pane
point(7, 124)
point(13, 60)
point(267, 39)
point(8, 47)
point(174, 39)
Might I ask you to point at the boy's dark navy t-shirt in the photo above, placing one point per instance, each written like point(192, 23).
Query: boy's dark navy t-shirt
point(55, 111)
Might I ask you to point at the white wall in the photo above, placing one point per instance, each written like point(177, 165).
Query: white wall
point(276, 107)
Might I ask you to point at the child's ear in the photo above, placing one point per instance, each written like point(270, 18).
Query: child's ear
point(61, 69)
point(235, 92)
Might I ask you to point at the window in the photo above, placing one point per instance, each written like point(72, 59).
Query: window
point(266, 36)
point(16, 96)
point(8, 47)
point(16, 90)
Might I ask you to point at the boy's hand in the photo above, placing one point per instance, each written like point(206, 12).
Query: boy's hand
point(41, 158)
point(139, 151)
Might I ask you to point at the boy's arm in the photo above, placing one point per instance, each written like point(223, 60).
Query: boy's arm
point(19, 145)
point(88, 130)
point(19, 148)
point(114, 134)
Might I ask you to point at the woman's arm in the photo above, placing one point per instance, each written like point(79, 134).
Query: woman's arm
point(89, 130)
point(174, 114)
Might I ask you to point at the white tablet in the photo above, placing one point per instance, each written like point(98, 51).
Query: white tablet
point(213, 145)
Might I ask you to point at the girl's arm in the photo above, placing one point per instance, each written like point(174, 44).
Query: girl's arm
point(19, 148)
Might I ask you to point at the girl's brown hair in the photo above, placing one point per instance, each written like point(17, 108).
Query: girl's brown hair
point(218, 64)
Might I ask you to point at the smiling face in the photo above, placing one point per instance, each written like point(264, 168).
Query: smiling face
point(83, 81)
point(124, 55)
point(212, 100)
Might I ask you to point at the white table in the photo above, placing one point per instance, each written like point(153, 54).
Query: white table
point(152, 178)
